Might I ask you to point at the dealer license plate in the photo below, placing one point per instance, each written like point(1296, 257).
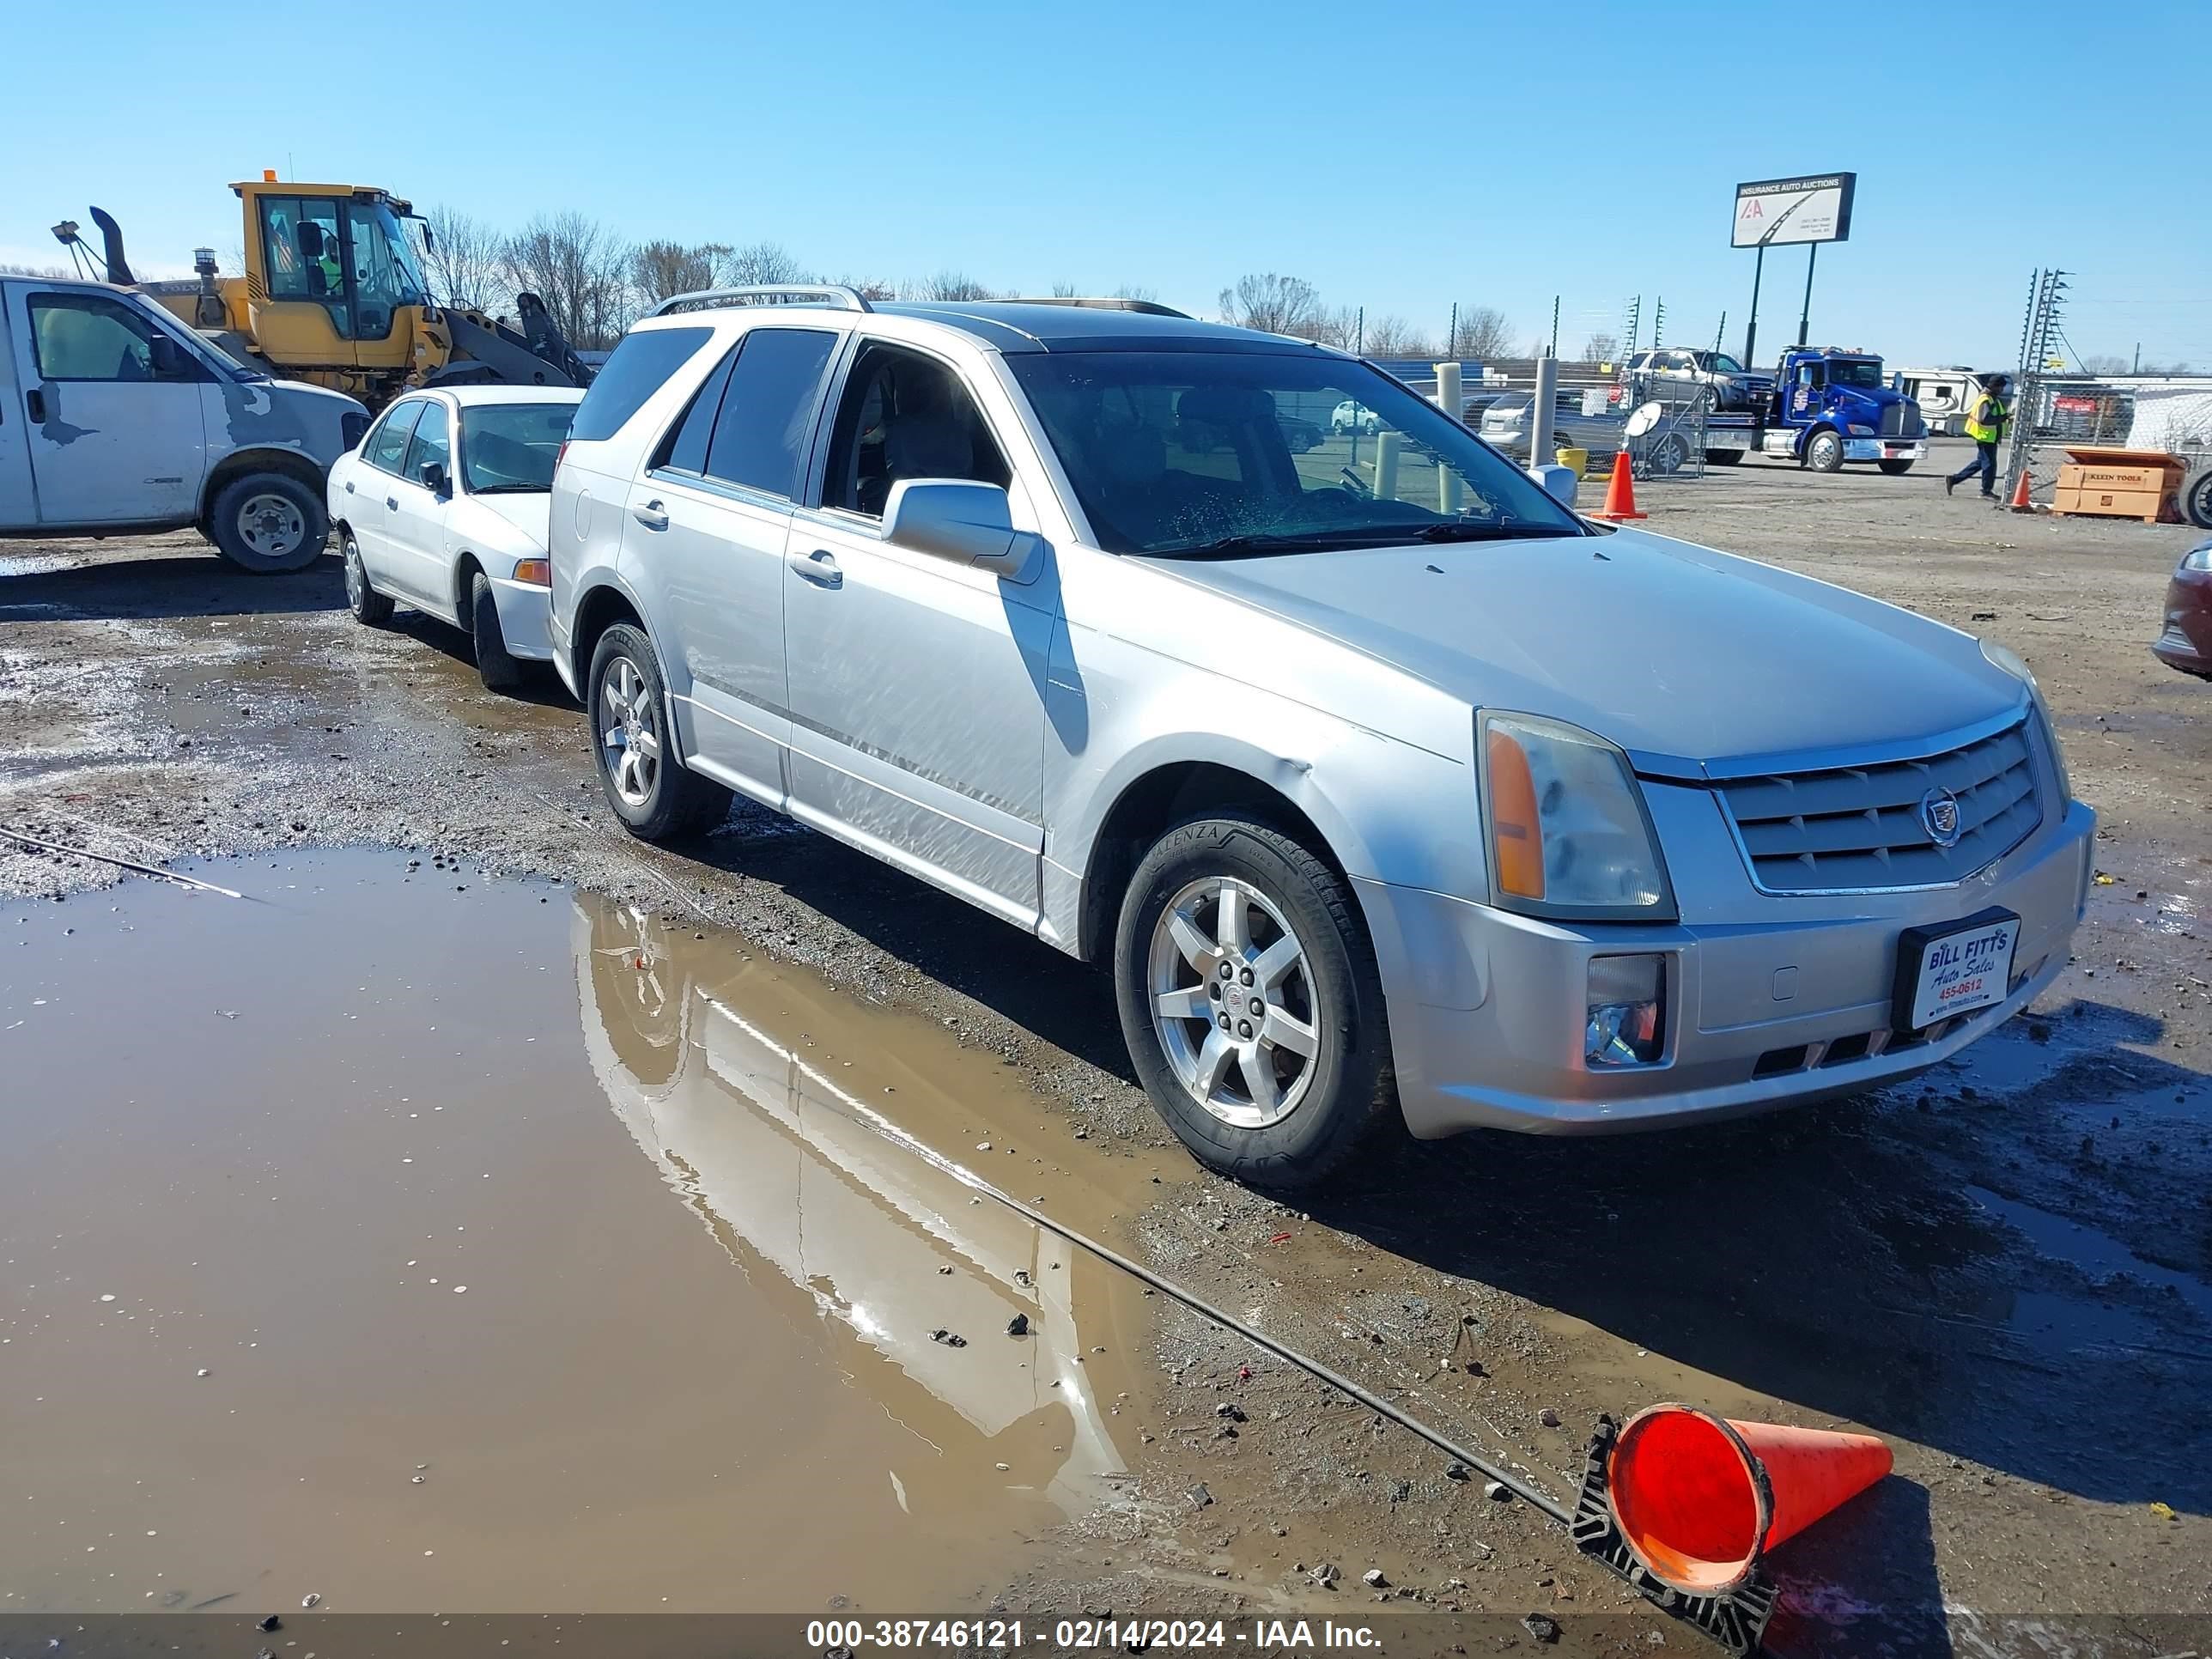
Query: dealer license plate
point(1953, 969)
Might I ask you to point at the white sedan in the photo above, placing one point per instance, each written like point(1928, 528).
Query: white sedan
point(443, 507)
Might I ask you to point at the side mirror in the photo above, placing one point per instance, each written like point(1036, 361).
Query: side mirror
point(435, 478)
point(970, 523)
point(1559, 482)
point(167, 359)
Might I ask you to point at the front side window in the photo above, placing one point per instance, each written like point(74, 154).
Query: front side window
point(905, 415)
point(433, 441)
point(303, 255)
point(1182, 453)
point(760, 433)
point(508, 449)
point(633, 371)
point(89, 337)
point(387, 445)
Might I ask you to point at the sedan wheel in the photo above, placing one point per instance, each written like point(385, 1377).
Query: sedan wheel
point(1232, 1002)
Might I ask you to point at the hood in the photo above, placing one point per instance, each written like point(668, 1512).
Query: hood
point(307, 393)
point(1678, 654)
point(519, 524)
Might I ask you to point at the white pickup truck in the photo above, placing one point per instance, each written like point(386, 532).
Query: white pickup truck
point(117, 419)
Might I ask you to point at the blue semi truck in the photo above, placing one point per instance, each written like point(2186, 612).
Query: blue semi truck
point(1828, 405)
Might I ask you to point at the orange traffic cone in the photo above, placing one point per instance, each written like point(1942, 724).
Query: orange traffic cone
point(2020, 502)
point(1620, 493)
point(1700, 1500)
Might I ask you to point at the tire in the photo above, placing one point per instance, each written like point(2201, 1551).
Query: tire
point(1670, 454)
point(1895, 469)
point(1722, 456)
point(657, 799)
point(1326, 1102)
point(370, 608)
point(1823, 451)
point(2199, 501)
point(500, 671)
point(268, 523)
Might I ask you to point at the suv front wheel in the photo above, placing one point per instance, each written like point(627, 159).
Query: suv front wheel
point(1251, 1004)
point(651, 791)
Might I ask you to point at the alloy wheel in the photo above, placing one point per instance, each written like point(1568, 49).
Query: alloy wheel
point(629, 735)
point(1232, 1002)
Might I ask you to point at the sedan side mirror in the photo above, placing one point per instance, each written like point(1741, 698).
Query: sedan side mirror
point(970, 523)
point(435, 478)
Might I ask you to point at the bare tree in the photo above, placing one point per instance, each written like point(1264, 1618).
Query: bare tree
point(1601, 348)
point(661, 270)
point(1483, 332)
point(2104, 363)
point(760, 264)
point(1394, 337)
point(465, 256)
point(44, 273)
point(580, 269)
point(1273, 304)
point(1065, 290)
point(1338, 327)
point(948, 285)
point(870, 288)
point(1133, 291)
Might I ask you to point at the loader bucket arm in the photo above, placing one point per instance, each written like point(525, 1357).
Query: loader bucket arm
point(486, 353)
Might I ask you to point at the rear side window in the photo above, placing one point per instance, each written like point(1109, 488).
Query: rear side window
point(768, 409)
point(390, 442)
point(684, 448)
point(637, 368)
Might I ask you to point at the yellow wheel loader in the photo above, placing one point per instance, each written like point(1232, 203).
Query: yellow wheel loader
point(334, 293)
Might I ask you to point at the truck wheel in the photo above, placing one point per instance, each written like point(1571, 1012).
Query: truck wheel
point(647, 786)
point(1824, 452)
point(500, 671)
point(1895, 469)
point(370, 608)
point(267, 522)
point(1722, 456)
point(1251, 1003)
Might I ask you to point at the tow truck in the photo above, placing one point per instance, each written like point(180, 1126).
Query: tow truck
point(1829, 404)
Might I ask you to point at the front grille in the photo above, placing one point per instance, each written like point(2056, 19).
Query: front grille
point(1903, 421)
point(1850, 829)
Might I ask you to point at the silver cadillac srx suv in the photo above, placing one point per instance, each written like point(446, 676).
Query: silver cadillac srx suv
point(1382, 783)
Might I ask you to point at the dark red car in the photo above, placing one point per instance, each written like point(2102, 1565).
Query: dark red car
point(2186, 644)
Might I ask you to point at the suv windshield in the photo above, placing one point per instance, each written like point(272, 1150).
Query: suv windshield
point(1184, 452)
point(1854, 371)
point(1723, 364)
point(509, 448)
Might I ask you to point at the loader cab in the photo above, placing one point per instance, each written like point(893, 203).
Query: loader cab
point(331, 275)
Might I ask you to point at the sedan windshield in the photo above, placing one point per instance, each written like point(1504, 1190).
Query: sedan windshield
point(1183, 453)
point(509, 448)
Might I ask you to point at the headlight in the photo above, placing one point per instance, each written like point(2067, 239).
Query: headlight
point(1568, 834)
point(2004, 657)
point(2197, 558)
point(1858, 431)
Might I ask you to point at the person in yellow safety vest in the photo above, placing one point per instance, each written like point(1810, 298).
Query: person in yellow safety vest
point(1985, 424)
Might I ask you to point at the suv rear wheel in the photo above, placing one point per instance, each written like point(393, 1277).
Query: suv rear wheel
point(645, 783)
point(1251, 1004)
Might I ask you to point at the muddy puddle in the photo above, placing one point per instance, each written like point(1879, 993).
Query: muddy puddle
point(425, 1242)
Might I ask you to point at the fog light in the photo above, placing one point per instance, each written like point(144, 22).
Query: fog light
point(1626, 1024)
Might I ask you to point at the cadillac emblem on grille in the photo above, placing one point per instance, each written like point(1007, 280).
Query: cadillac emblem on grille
point(1939, 815)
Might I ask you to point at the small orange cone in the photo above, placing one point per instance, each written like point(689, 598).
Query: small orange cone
point(2020, 502)
point(1700, 1500)
point(1620, 493)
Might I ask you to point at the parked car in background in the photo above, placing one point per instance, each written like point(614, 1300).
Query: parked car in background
point(117, 419)
point(1379, 796)
point(1302, 436)
point(1732, 385)
point(2186, 641)
point(1505, 425)
point(444, 508)
point(1351, 416)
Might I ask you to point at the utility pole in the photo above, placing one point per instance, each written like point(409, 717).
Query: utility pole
point(2137, 369)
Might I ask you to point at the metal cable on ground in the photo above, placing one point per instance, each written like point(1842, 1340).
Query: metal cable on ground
point(868, 1117)
point(121, 864)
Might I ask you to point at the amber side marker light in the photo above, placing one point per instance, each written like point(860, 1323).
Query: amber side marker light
point(1516, 833)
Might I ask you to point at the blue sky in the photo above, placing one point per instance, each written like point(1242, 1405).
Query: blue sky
point(1398, 156)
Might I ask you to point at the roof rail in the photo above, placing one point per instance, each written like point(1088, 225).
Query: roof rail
point(1149, 307)
point(835, 295)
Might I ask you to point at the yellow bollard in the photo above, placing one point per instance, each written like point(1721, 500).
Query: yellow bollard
point(1576, 460)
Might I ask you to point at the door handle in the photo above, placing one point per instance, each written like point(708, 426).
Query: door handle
point(348, 488)
point(819, 567)
point(652, 515)
point(392, 501)
point(34, 405)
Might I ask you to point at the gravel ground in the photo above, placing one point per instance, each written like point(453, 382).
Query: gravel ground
point(2000, 1268)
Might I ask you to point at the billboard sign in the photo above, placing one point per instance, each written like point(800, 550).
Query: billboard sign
point(1771, 211)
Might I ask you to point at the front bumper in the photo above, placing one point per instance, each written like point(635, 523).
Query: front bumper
point(1789, 1003)
point(1883, 449)
point(2186, 643)
point(526, 616)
